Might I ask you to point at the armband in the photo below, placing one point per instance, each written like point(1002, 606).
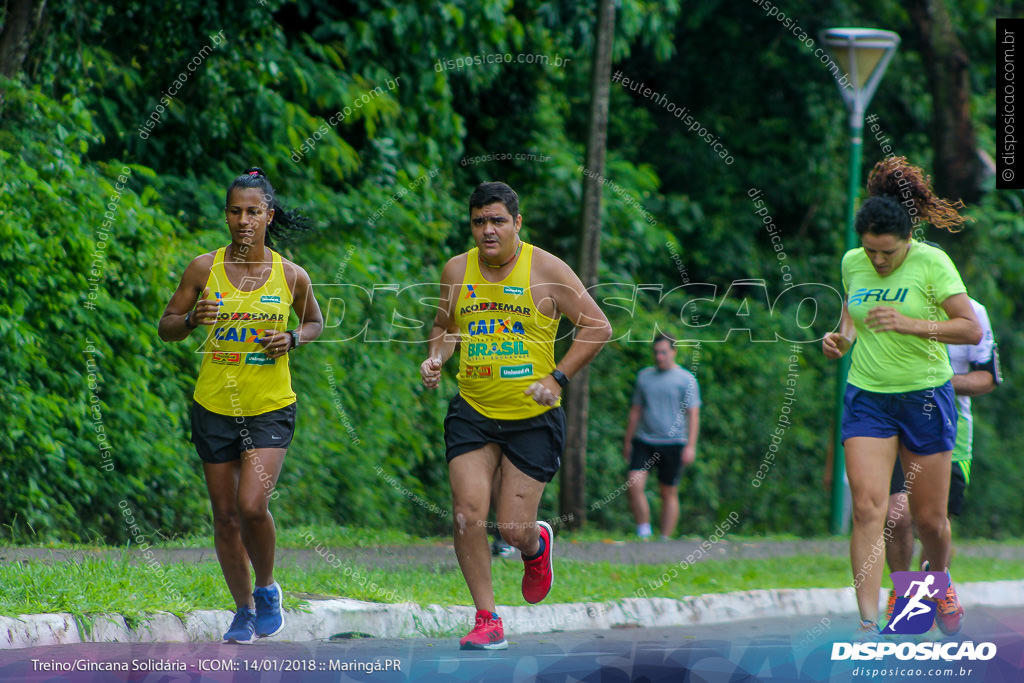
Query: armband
point(990, 366)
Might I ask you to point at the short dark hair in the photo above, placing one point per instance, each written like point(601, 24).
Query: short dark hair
point(883, 215)
point(662, 337)
point(488, 193)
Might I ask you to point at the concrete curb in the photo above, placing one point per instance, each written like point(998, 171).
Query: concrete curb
point(327, 618)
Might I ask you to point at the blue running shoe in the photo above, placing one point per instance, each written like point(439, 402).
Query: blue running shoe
point(269, 618)
point(867, 633)
point(243, 627)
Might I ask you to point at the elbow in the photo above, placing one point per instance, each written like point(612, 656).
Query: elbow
point(600, 335)
point(312, 331)
point(976, 334)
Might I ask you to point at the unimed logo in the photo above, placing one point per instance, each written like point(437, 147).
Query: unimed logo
point(947, 652)
point(517, 371)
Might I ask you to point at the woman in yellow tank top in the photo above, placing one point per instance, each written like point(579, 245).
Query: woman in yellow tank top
point(243, 414)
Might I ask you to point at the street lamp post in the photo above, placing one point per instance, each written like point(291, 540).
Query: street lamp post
point(863, 54)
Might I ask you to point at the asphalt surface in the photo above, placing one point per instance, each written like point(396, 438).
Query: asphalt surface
point(775, 649)
point(793, 649)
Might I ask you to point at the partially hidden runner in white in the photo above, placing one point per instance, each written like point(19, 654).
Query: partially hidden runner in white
point(975, 372)
point(501, 302)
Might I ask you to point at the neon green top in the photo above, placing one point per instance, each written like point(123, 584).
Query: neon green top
point(891, 362)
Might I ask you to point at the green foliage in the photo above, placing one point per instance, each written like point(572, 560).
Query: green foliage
point(87, 381)
point(386, 185)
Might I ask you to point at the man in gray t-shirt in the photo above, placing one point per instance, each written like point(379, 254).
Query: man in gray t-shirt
point(662, 432)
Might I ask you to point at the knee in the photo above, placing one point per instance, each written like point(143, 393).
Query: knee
point(868, 510)
point(226, 522)
point(931, 524)
point(636, 481)
point(517, 534)
point(252, 510)
point(468, 516)
point(468, 511)
point(898, 518)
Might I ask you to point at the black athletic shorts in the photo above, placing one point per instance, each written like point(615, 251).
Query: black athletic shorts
point(957, 485)
point(668, 458)
point(222, 438)
point(533, 445)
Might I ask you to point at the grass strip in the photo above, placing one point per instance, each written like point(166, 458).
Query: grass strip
point(335, 536)
point(116, 585)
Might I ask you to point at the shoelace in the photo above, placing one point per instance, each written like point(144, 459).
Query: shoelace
point(948, 604)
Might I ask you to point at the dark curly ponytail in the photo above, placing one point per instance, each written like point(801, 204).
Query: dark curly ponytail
point(895, 186)
point(285, 223)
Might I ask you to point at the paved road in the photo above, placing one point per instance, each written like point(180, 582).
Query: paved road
point(442, 554)
point(793, 649)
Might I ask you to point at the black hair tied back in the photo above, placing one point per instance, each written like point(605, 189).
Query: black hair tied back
point(285, 223)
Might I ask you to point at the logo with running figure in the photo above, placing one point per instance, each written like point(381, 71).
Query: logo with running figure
point(917, 596)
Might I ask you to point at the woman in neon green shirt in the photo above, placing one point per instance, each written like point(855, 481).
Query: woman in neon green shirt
point(904, 302)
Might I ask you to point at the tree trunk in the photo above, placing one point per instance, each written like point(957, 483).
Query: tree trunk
point(958, 169)
point(22, 19)
point(573, 489)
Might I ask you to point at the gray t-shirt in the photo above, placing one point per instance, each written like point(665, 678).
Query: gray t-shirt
point(666, 396)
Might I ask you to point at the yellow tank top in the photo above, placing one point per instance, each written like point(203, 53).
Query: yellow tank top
point(236, 377)
point(506, 343)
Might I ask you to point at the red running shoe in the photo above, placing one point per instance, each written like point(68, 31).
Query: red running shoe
point(950, 612)
point(488, 634)
point(890, 606)
point(538, 574)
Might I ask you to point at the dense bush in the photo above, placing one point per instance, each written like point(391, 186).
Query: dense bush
point(97, 409)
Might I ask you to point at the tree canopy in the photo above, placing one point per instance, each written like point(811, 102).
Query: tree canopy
point(121, 125)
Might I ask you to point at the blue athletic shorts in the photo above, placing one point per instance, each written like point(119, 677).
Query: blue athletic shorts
point(924, 420)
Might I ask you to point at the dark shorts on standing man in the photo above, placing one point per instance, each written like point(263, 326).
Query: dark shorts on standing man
point(222, 438)
point(668, 458)
point(957, 485)
point(924, 420)
point(533, 445)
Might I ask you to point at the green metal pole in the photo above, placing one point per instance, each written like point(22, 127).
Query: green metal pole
point(839, 461)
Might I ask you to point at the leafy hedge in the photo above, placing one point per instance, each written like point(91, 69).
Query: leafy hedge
point(97, 404)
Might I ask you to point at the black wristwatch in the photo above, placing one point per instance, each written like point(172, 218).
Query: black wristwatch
point(295, 338)
point(560, 377)
point(188, 321)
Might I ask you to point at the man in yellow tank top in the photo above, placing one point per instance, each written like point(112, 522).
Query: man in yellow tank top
point(500, 303)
